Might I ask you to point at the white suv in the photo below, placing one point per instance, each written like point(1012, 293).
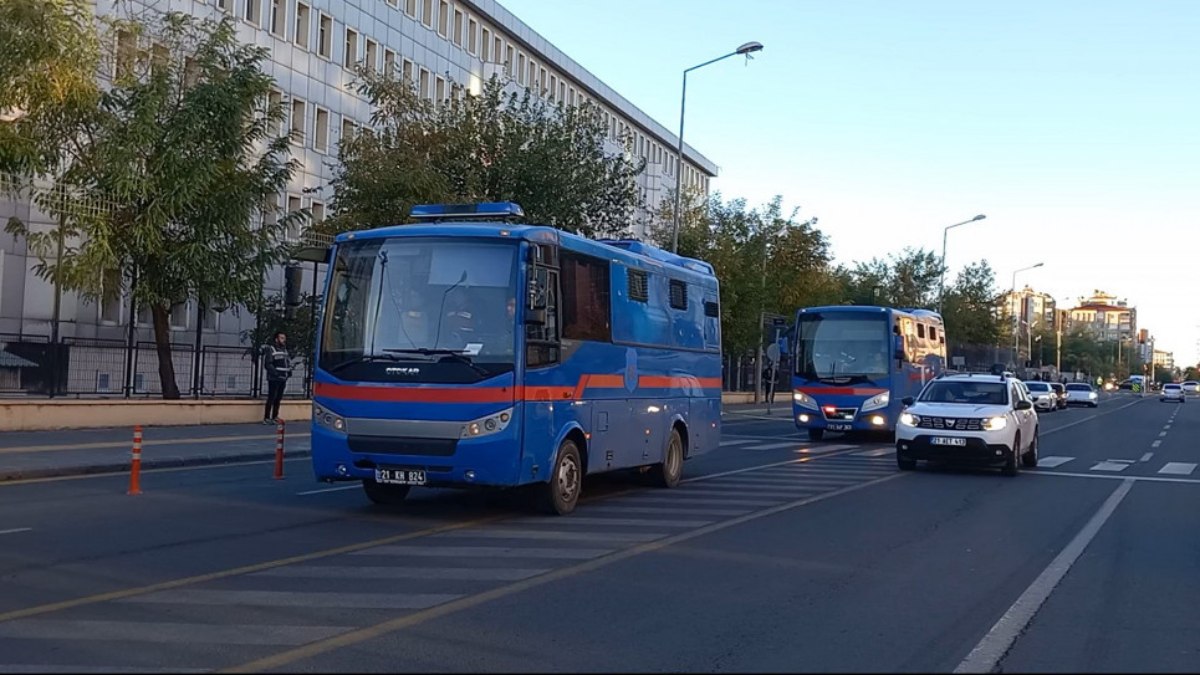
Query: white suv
point(971, 418)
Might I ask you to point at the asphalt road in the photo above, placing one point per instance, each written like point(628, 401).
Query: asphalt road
point(776, 555)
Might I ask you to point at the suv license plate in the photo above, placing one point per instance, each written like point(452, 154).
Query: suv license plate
point(841, 427)
point(400, 476)
point(940, 440)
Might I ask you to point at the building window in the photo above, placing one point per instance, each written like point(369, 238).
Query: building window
point(541, 83)
point(485, 43)
point(298, 120)
point(126, 55)
point(389, 62)
point(279, 18)
point(585, 299)
point(274, 102)
point(325, 37)
point(317, 209)
point(458, 28)
point(410, 8)
point(553, 87)
point(321, 130)
point(349, 128)
point(427, 13)
point(211, 319)
point(408, 71)
point(270, 212)
point(508, 61)
point(225, 5)
point(303, 19)
point(351, 55)
point(372, 55)
point(472, 37)
point(253, 11)
point(441, 90)
point(678, 294)
point(444, 18)
point(110, 310)
point(562, 91)
point(294, 225)
point(179, 315)
point(521, 68)
point(638, 283)
point(423, 90)
point(532, 78)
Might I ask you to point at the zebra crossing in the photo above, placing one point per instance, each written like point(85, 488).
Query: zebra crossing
point(1105, 466)
point(224, 622)
point(763, 443)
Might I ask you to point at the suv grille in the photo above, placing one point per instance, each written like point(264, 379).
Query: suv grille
point(951, 423)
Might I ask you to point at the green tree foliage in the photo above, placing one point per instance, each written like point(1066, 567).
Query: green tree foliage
point(494, 146)
point(969, 307)
point(48, 66)
point(907, 279)
point(272, 316)
point(178, 160)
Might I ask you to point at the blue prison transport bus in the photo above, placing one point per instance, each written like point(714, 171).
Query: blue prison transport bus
point(471, 350)
point(853, 365)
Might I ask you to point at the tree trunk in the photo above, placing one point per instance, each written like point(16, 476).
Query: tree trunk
point(162, 344)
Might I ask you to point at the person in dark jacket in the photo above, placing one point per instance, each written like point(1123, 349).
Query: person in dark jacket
point(278, 363)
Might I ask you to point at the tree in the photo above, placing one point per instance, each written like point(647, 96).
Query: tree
point(179, 159)
point(492, 146)
point(909, 279)
point(272, 316)
point(969, 307)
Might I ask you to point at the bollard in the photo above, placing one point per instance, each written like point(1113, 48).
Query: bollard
point(279, 449)
point(135, 469)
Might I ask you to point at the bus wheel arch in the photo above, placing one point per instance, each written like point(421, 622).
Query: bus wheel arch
point(681, 427)
point(560, 493)
point(669, 471)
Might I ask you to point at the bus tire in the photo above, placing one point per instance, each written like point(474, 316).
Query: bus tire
point(560, 494)
point(816, 434)
point(385, 494)
point(667, 473)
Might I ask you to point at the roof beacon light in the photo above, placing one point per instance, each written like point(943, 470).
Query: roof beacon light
point(481, 211)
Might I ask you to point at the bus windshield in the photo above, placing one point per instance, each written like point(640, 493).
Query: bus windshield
point(429, 310)
point(838, 345)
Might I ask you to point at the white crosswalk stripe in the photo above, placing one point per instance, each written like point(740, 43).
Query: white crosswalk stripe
point(737, 441)
point(875, 452)
point(1109, 465)
point(1053, 461)
point(1178, 468)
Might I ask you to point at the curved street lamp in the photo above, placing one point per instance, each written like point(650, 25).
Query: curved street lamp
point(745, 50)
point(942, 280)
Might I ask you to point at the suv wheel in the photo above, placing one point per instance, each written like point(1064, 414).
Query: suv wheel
point(1011, 467)
point(1030, 458)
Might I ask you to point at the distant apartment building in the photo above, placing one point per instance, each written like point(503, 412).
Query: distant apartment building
point(1105, 317)
point(314, 46)
point(1164, 359)
point(1033, 308)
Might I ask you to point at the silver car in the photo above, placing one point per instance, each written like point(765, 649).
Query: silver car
point(1172, 392)
point(1044, 398)
point(1081, 393)
point(1191, 387)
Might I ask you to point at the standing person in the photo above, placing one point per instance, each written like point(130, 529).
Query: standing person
point(279, 368)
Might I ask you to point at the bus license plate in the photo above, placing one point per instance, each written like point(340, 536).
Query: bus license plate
point(400, 476)
point(841, 427)
point(939, 440)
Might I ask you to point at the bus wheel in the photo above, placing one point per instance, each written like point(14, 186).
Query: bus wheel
point(561, 493)
point(385, 494)
point(816, 434)
point(667, 473)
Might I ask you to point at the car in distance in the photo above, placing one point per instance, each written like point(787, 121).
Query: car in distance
point(1172, 392)
point(1043, 396)
point(1081, 393)
point(1191, 387)
point(973, 418)
point(1060, 394)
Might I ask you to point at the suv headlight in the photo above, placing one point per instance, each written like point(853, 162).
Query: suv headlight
point(995, 423)
point(804, 400)
point(1091, 394)
point(328, 419)
point(876, 402)
point(485, 426)
point(909, 419)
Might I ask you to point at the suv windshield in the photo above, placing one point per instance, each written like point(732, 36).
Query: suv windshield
point(973, 393)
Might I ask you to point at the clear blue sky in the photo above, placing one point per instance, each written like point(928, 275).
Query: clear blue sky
point(1074, 126)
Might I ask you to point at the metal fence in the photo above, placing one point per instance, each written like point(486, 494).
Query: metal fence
point(33, 366)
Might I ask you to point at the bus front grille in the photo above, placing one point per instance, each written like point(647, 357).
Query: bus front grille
point(391, 445)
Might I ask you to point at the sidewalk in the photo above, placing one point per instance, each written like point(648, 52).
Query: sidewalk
point(69, 452)
point(45, 454)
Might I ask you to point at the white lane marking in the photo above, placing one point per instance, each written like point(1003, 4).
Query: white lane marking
point(1166, 426)
point(877, 452)
point(1161, 434)
point(196, 596)
point(484, 552)
point(1146, 457)
point(1155, 444)
point(1178, 468)
point(355, 486)
point(1053, 461)
point(1110, 465)
point(15, 530)
point(1088, 418)
point(389, 572)
point(1150, 479)
point(631, 522)
point(550, 535)
point(742, 441)
point(616, 510)
point(774, 446)
point(991, 649)
point(166, 633)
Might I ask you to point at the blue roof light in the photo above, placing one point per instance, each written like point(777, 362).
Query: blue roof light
point(484, 210)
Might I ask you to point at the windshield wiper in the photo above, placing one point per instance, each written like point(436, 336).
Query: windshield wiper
point(367, 358)
point(457, 355)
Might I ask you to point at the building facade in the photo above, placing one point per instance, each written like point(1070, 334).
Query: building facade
point(314, 47)
point(1032, 308)
point(1105, 317)
point(1164, 359)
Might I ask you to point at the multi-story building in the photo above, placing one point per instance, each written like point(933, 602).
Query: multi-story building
point(314, 46)
point(1164, 359)
point(1105, 317)
point(1032, 308)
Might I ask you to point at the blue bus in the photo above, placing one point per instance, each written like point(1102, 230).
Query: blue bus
point(470, 349)
point(853, 365)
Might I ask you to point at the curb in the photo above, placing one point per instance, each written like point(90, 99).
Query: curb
point(11, 475)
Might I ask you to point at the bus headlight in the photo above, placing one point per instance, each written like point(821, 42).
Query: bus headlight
point(328, 419)
point(484, 426)
point(876, 402)
point(804, 400)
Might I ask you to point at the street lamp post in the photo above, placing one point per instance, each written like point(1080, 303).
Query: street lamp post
point(942, 280)
point(746, 49)
point(1016, 322)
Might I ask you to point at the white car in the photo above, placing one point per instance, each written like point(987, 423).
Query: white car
point(1081, 393)
point(1172, 392)
point(1191, 387)
point(1043, 395)
point(975, 418)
